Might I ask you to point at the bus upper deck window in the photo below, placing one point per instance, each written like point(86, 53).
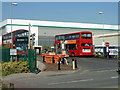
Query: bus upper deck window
point(77, 36)
point(67, 37)
point(73, 36)
point(56, 38)
point(63, 37)
point(86, 35)
point(89, 35)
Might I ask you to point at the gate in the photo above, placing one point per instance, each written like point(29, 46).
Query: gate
point(23, 55)
point(32, 60)
point(5, 54)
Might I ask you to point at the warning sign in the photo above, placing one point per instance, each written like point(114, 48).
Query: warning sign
point(113, 51)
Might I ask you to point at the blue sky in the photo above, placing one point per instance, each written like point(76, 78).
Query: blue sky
point(82, 12)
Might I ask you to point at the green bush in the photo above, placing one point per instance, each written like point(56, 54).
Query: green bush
point(4, 86)
point(15, 67)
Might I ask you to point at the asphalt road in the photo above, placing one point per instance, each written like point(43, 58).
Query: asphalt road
point(92, 73)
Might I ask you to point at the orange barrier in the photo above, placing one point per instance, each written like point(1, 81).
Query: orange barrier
point(43, 55)
point(49, 58)
point(56, 58)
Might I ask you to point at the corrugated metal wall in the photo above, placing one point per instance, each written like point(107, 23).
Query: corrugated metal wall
point(44, 34)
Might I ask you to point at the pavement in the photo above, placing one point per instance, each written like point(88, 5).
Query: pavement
point(18, 84)
point(93, 72)
point(41, 74)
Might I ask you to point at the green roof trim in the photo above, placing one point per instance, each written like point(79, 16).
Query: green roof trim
point(17, 25)
point(61, 27)
point(3, 26)
point(75, 28)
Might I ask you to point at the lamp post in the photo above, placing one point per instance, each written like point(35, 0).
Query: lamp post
point(29, 35)
point(103, 43)
point(103, 26)
point(15, 4)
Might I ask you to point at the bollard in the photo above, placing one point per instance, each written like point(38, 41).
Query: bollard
point(107, 55)
point(43, 58)
point(53, 61)
point(36, 71)
point(119, 66)
point(62, 60)
point(59, 65)
point(73, 62)
point(12, 86)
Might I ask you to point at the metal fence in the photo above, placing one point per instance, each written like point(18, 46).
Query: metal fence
point(23, 56)
point(32, 60)
point(30, 56)
point(46, 40)
point(5, 54)
point(26, 55)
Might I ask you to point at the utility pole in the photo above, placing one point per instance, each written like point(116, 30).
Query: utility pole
point(29, 36)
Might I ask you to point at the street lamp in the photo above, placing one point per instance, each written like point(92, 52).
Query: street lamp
point(100, 12)
point(15, 4)
point(29, 35)
point(103, 43)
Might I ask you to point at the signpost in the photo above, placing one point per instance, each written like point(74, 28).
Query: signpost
point(13, 52)
point(107, 45)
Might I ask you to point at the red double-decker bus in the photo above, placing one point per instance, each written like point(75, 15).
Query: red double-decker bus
point(77, 44)
point(19, 39)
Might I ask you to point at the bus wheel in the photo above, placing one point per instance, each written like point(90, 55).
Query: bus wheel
point(72, 54)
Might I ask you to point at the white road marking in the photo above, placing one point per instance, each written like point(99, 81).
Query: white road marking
point(70, 82)
point(83, 72)
point(106, 70)
point(114, 77)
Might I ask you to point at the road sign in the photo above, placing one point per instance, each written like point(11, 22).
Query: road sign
point(13, 51)
point(113, 51)
point(107, 44)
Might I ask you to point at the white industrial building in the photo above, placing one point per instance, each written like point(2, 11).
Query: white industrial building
point(46, 30)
